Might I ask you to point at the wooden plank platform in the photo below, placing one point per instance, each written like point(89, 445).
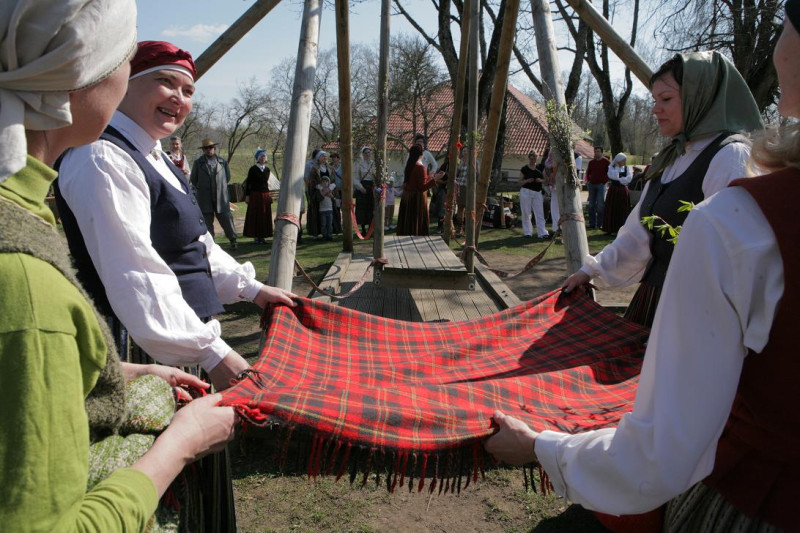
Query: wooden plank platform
point(423, 262)
point(413, 304)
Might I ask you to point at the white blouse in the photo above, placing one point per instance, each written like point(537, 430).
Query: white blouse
point(719, 300)
point(624, 260)
point(614, 174)
point(110, 198)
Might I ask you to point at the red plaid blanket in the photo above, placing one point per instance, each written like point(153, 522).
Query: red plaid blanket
point(415, 391)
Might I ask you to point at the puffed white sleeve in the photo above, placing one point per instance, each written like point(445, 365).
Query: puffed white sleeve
point(623, 261)
point(234, 281)
point(111, 201)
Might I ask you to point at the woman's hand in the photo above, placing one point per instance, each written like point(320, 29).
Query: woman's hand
point(578, 279)
point(199, 428)
point(177, 378)
point(514, 443)
point(274, 295)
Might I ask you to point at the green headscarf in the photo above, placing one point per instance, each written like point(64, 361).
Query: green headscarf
point(715, 99)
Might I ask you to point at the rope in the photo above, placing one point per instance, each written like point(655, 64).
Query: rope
point(317, 288)
point(533, 262)
point(289, 217)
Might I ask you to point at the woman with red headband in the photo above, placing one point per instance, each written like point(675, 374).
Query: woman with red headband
point(715, 428)
point(141, 245)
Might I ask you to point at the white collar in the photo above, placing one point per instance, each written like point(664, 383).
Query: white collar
point(140, 139)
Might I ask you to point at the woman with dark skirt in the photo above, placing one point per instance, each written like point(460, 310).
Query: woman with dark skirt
point(258, 221)
point(703, 103)
point(364, 186)
point(413, 218)
point(618, 198)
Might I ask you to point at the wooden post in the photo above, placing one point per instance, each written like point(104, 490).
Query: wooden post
point(455, 128)
point(495, 110)
point(576, 246)
point(284, 245)
point(612, 39)
point(383, 115)
point(472, 134)
point(345, 119)
point(231, 36)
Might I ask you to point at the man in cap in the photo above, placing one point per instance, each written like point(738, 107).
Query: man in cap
point(210, 177)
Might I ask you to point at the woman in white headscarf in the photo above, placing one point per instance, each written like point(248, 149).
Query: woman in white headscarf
point(618, 198)
point(56, 58)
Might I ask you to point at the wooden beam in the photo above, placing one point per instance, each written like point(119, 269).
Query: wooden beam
point(576, 247)
point(284, 246)
point(499, 85)
point(455, 128)
point(345, 118)
point(472, 136)
point(231, 36)
point(383, 117)
point(612, 39)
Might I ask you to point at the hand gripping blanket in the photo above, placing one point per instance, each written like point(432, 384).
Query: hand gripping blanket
point(416, 399)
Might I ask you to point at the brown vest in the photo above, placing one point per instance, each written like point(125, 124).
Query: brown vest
point(757, 467)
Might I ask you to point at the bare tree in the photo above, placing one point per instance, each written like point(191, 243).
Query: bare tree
point(597, 58)
point(745, 30)
point(199, 122)
point(247, 116)
point(414, 85)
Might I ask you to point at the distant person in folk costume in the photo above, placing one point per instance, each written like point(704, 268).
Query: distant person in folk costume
point(177, 156)
point(258, 220)
point(715, 429)
point(210, 177)
point(140, 242)
point(320, 169)
point(364, 189)
point(413, 217)
point(60, 377)
point(702, 103)
point(618, 198)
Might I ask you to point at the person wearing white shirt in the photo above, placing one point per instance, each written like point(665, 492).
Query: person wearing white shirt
point(714, 428)
point(112, 202)
point(618, 198)
point(701, 101)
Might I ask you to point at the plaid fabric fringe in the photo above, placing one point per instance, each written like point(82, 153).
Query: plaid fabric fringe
point(413, 401)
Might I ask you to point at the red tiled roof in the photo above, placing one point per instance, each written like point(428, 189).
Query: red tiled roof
point(526, 125)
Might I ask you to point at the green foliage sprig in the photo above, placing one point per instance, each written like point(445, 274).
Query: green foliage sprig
point(559, 122)
point(664, 228)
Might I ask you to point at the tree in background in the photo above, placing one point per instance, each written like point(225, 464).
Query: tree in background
point(414, 87)
point(745, 31)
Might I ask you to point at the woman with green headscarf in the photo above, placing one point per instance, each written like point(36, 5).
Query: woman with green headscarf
point(703, 104)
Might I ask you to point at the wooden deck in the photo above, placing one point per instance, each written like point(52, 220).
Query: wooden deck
point(414, 304)
point(423, 262)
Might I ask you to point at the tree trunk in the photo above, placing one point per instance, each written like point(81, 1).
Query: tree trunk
point(576, 246)
point(284, 245)
point(345, 118)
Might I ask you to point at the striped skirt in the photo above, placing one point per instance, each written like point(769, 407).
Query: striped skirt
point(617, 208)
point(701, 508)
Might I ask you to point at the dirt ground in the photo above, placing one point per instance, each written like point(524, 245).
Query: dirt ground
point(268, 499)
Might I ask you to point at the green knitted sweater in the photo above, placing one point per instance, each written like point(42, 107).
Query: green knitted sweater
point(52, 352)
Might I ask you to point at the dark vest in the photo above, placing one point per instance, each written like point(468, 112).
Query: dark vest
point(175, 227)
point(757, 466)
point(663, 200)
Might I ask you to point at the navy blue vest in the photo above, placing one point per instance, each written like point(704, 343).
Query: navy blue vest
point(175, 227)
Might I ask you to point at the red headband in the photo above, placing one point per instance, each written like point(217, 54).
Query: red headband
point(153, 55)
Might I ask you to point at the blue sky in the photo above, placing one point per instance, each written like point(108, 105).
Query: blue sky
point(194, 24)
